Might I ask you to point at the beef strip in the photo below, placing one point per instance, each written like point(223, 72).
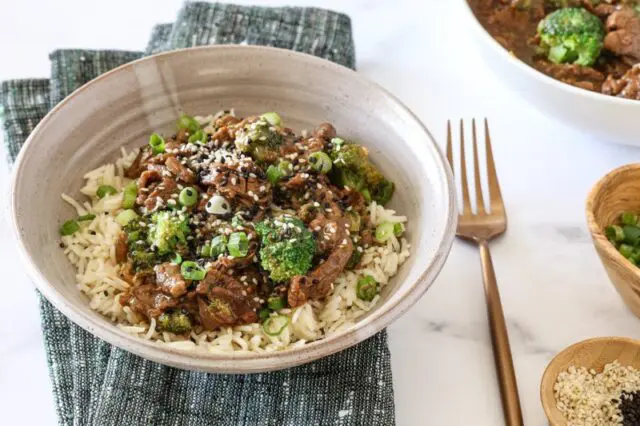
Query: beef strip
point(181, 171)
point(148, 300)
point(623, 37)
point(139, 165)
point(319, 282)
point(170, 280)
point(156, 194)
point(627, 86)
point(325, 131)
point(576, 75)
point(244, 184)
point(225, 301)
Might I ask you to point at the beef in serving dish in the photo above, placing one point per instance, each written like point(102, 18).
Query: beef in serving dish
point(591, 44)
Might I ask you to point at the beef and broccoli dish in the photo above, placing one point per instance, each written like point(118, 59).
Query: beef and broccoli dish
point(236, 234)
point(591, 44)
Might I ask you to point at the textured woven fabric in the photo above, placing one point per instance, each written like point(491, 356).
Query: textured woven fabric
point(97, 384)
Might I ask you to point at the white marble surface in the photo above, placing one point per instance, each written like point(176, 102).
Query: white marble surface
point(554, 290)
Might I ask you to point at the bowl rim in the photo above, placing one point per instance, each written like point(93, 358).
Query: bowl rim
point(542, 77)
point(255, 362)
point(546, 379)
point(597, 234)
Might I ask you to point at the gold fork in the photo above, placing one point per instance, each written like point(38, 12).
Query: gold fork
point(480, 228)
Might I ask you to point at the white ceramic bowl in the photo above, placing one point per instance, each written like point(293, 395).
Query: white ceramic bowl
point(607, 118)
point(122, 107)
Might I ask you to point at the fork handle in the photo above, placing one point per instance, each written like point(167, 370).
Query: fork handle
point(500, 341)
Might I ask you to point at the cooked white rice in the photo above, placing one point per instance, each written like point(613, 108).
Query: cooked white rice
point(92, 251)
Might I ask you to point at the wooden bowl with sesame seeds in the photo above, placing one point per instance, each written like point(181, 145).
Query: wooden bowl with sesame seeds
point(615, 193)
point(592, 354)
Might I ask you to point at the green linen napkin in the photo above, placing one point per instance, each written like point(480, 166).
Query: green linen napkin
point(98, 384)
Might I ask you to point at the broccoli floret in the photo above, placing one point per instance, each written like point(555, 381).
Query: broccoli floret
point(175, 322)
point(260, 139)
point(167, 232)
point(353, 169)
point(287, 247)
point(571, 35)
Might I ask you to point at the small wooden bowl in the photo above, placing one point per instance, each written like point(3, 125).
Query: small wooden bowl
point(617, 192)
point(591, 353)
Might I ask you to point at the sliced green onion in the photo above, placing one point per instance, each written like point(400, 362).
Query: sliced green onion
point(628, 218)
point(86, 217)
point(177, 259)
point(157, 143)
point(104, 190)
point(188, 123)
point(126, 216)
point(192, 271)
point(275, 325)
point(366, 194)
point(367, 288)
point(238, 244)
point(275, 303)
point(205, 251)
point(354, 260)
point(188, 197)
point(398, 229)
point(631, 235)
point(264, 313)
point(614, 233)
point(320, 162)
point(218, 245)
point(69, 227)
point(129, 195)
point(354, 220)
point(198, 137)
point(384, 231)
point(626, 250)
point(274, 174)
point(273, 118)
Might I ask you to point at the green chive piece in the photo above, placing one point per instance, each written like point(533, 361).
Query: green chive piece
point(177, 259)
point(398, 229)
point(126, 216)
point(337, 142)
point(384, 231)
point(104, 190)
point(367, 288)
point(275, 303)
point(264, 313)
point(157, 143)
point(218, 245)
point(238, 244)
point(198, 137)
point(86, 217)
point(626, 250)
point(320, 162)
point(205, 251)
point(614, 233)
point(275, 325)
point(366, 194)
point(69, 227)
point(130, 194)
point(628, 218)
point(188, 197)
point(274, 174)
point(273, 118)
point(188, 123)
point(631, 235)
point(192, 271)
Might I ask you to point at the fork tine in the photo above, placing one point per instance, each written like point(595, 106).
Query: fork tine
point(494, 187)
point(466, 201)
point(450, 147)
point(476, 168)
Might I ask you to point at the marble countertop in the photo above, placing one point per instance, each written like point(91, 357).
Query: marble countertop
point(554, 289)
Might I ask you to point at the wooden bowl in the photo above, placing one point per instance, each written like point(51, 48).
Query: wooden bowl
point(591, 353)
point(615, 193)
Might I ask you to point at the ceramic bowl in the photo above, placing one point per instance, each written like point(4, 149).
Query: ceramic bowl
point(607, 118)
point(617, 192)
point(591, 354)
point(122, 107)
